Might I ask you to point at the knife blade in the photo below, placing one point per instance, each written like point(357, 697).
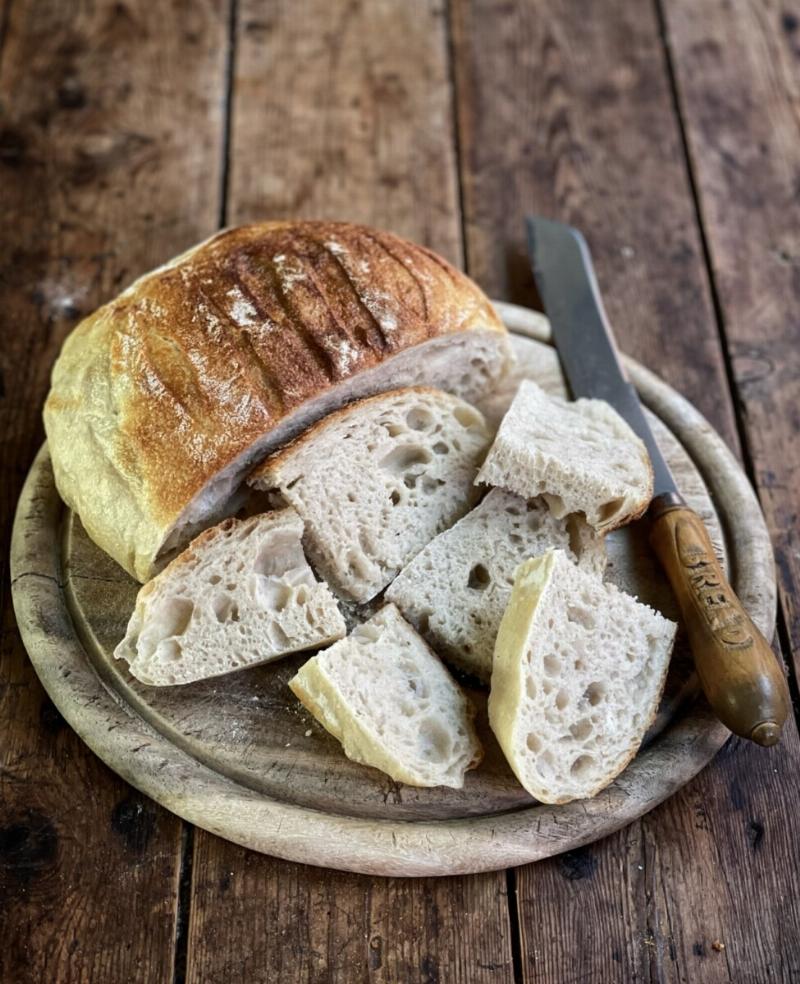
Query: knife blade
point(562, 268)
point(735, 664)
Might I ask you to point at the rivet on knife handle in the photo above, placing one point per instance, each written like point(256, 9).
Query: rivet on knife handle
point(737, 669)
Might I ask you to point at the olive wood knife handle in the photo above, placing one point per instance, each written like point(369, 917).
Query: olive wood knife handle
point(740, 676)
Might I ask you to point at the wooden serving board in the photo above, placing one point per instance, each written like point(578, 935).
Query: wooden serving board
point(240, 757)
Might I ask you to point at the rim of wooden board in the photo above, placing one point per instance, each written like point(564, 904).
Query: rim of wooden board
point(148, 761)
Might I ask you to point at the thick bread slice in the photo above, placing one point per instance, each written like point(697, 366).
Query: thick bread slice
point(240, 594)
point(163, 399)
point(455, 591)
point(581, 456)
point(377, 480)
point(392, 704)
point(579, 668)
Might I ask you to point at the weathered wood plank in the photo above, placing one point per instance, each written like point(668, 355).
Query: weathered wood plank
point(567, 110)
point(343, 111)
point(737, 70)
point(97, 183)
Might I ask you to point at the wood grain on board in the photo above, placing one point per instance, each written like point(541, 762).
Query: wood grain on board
point(343, 111)
point(737, 70)
point(97, 184)
point(567, 110)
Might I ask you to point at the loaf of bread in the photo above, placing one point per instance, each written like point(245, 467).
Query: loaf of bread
point(376, 481)
point(387, 698)
point(581, 456)
point(455, 590)
point(240, 594)
point(579, 668)
point(163, 399)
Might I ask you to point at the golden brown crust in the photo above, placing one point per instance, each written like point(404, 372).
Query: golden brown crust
point(158, 391)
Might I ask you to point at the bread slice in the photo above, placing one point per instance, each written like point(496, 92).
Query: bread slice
point(163, 399)
point(581, 456)
point(579, 668)
point(242, 593)
point(377, 480)
point(456, 590)
point(391, 703)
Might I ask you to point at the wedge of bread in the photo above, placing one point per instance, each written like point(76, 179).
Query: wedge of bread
point(579, 668)
point(378, 480)
point(391, 703)
point(242, 593)
point(455, 590)
point(581, 456)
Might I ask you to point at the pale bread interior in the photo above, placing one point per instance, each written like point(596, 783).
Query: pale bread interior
point(579, 669)
point(581, 456)
point(456, 590)
point(391, 703)
point(375, 482)
point(240, 595)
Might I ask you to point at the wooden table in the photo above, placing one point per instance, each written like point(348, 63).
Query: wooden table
point(668, 131)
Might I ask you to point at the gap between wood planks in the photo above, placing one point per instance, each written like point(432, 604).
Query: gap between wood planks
point(781, 628)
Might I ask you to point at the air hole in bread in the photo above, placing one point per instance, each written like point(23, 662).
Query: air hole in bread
point(513, 510)
point(400, 460)
point(277, 636)
point(555, 504)
point(581, 730)
point(479, 578)
point(393, 429)
point(562, 699)
point(406, 709)
point(594, 693)
point(468, 417)
point(225, 608)
point(609, 510)
point(533, 743)
point(214, 579)
point(396, 497)
point(534, 522)
point(580, 616)
point(582, 766)
point(530, 688)
point(410, 481)
point(435, 742)
point(174, 618)
point(552, 665)
point(430, 485)
point(170, 649)
point(270, 594)
point(419, 418)
point(441, 448)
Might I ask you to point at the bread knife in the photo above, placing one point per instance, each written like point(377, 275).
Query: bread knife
point(738, 672)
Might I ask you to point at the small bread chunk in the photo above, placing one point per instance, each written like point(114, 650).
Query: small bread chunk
point(392, 704)
point(377, 481)
point(579, 668)
point(456, 590)
point(240, 594)
point(581, 456)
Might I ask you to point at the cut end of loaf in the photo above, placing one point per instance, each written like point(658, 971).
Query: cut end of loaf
point(391, 703)
point(241, 594)
point(578, 673)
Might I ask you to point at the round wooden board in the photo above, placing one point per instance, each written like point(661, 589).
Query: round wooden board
point(240, 757)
